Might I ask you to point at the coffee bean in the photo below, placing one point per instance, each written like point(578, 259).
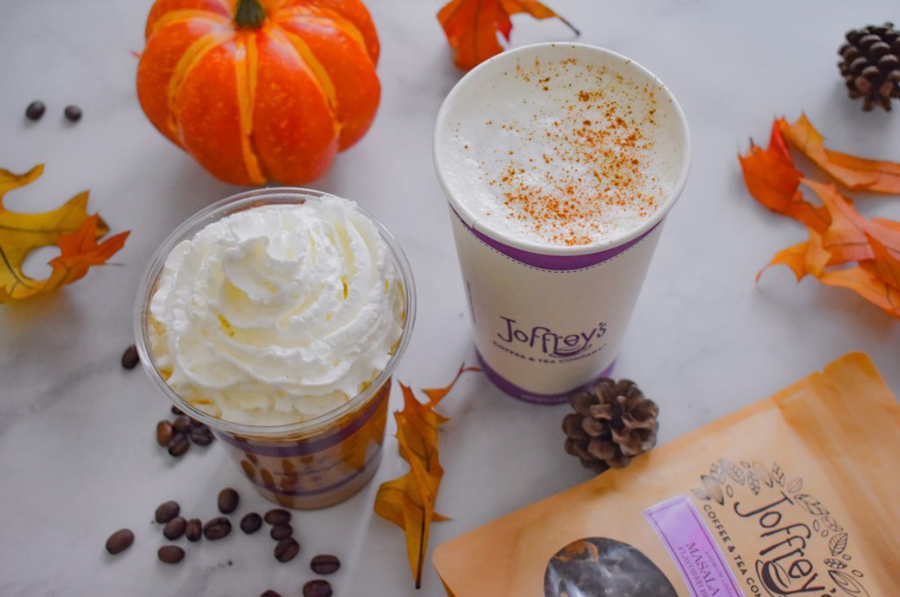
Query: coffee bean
point(164, 433)
point(130, 357)
point(179, 445)
point(281, 531)
point(217, 528)
point(278, 516)
point(194, 529)
point(202, 435)
point(228, 500)
point(270, 593)
point(119, 541)
point(325, 564)
point(35, 110)
point(251, 523)
point(175, 528)
point(287, 550)
point(170, 554)
point(317, 588)
point(73, 113)
point(167, 511)
point(182, 425)
point(176, 411)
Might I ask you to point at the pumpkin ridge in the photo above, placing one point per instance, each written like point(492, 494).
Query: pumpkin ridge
point(308, 61)
point(191, 57)
point(183, 15)
point(328, 17)
point(246, 72)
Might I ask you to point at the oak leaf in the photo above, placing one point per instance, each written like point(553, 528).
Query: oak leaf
point(472, 26)
point(884, 266)
point(846, 237)
point(773, 180)
point(409, 501)
point(866, 284)
point(838, 234)
point(809, 258)
point(858, 174)
point(69, 227)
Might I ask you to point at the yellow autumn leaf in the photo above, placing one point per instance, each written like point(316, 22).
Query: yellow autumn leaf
point(68, 227)
point(409, 501)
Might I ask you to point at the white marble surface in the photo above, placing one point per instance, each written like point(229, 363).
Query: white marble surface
point(77, 456)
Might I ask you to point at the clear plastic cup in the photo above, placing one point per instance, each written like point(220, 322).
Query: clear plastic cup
point(316, 463)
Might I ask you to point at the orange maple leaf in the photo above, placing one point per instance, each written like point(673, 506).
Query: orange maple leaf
point(868, 285)
point(884, 266)
point(855, 173)
point(838, 233)
point(803, 259)
point(772, 179)
point(68, 227)
point(846, 237)
point(472, 26)
point(409, 501)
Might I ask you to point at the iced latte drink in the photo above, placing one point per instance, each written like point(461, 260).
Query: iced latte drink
point(276, 317)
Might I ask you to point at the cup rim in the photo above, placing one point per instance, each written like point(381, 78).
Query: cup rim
point(472, 220)
point(222, 208)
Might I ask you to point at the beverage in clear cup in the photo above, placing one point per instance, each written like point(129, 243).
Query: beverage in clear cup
point(559, 163)
point(276, 317)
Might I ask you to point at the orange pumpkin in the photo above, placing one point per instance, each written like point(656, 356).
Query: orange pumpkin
point(260, 90)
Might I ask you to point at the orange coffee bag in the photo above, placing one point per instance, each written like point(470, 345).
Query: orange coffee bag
point(797, 495)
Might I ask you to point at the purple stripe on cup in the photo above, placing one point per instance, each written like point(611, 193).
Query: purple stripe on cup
point(557, 263)
point(515, 391)
point(306, 448)
point(373, 461)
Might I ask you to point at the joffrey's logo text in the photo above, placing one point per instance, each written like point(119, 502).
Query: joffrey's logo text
point(550, 342)
point(783, 568)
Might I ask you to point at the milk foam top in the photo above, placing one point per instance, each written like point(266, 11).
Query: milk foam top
point(561, 145)
point(277, 314)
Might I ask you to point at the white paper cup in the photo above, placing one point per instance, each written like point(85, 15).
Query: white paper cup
point(550, 319)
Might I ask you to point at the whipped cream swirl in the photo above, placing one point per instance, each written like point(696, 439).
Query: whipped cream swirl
point(277, 314)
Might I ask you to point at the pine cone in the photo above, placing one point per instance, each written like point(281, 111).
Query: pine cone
point(870, 65)
point(613, 422)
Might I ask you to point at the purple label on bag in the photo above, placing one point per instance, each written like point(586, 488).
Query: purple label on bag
point(690, 544)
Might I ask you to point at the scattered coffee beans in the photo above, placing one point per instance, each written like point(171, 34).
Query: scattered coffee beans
point(281, 531)
point(119, 541)
point(178, 434)
point(73, 113)
point(130, 357)
point(251, 523)
point(278, 516)
point(182, 425)
point(270, 593)
point(325, 564)
point(170, 554)
point(317, 588)
point(175, 528)
point(167, 511)
point(217, 528)
point(202, 435)
point(164, 433)
point(286, 550)
point(194, 529)
point(179, 446)
point(228, 500)
point(35, 110)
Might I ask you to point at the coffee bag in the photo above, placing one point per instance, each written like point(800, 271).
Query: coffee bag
point(797, 495)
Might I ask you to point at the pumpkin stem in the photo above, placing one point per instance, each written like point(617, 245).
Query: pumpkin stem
point(250, 14)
